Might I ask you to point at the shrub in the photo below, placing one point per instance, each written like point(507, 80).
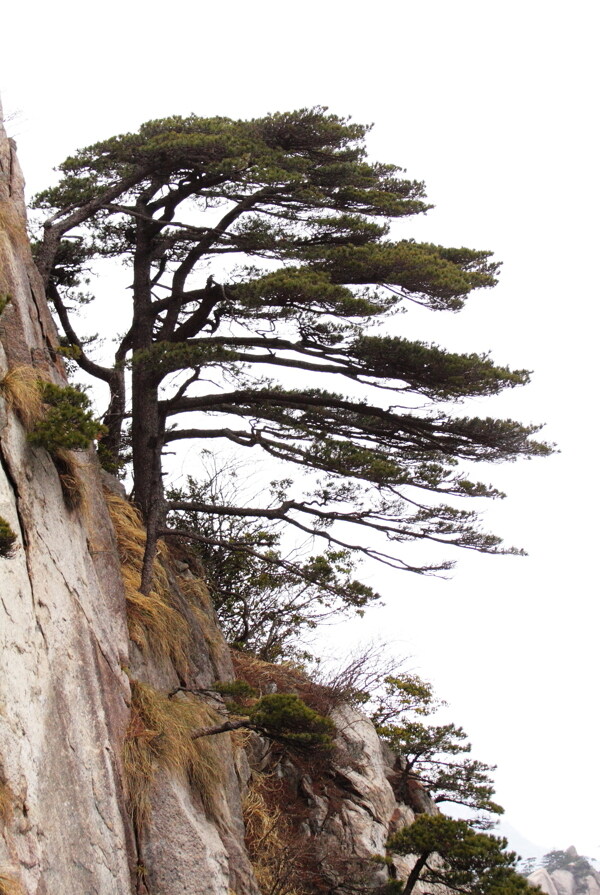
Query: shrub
point(67, 423)
point(285, 716)
point(236, 694)
point(7, 538)
point(274, 850)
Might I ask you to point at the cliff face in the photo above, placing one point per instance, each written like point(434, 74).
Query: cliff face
point(101, 790)
point(64, 694)
point(566, 874)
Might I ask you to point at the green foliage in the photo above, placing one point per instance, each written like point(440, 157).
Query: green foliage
point(435, 755)
point(8, 538)
point(442, 277)
point(437, 372)
point(236, 694)
point(579, 866)
point(67, 422)
point(403, 693)
point(5, 299)
point(450, 853)
point(267, 601)
point(70, 352)
point(286, 717)
point(294, 204)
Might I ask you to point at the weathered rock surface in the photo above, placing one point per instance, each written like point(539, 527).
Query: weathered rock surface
point(574, 876)
point(66, 671)
point(542, 879)
point(64, 696)
point(341, 809)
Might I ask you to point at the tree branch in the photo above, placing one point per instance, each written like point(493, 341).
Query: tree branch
point(100, 372)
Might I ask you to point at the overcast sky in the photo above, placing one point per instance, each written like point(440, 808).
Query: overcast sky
point(494, 105)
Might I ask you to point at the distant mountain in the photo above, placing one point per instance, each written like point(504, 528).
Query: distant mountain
point(517, 842)
point(566, 873)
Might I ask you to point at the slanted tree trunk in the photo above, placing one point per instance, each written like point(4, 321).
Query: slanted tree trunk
point(415, 873)
point(114, 417)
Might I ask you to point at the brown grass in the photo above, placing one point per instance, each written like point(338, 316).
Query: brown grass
point(159, 735)
point(261, 675)
point(7, 801)
point(10, 886)
point(274, 855)
point(287, 678)
point(71, 483)
point(153, 623)
point(20, 388)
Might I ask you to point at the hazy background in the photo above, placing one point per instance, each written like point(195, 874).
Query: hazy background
point(494, 105)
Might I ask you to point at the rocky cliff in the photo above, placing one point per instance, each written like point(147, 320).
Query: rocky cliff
point(566, 873)
point(102, 788)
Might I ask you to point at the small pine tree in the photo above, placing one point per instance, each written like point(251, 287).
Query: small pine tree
point(451, 854)
point(285, 716)
point(68, 423)
point(7, 538)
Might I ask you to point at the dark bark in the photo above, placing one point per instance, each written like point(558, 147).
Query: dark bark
point(147, 427)
point(221, 728)
point(413, 877)
point(67, 219)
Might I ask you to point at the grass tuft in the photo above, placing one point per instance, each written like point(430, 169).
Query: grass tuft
point(20, 388)
point(10, 886)
point(271, 843)
point(71, 483)
point(23, 391)
point(154, 625)
point(159, 735)
point(7, 802)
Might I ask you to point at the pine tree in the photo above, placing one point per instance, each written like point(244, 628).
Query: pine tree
point(451, 854)
point(293, 200)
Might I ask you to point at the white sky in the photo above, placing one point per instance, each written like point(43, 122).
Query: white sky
point(494, 105)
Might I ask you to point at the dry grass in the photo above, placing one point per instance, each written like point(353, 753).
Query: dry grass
point(270, 841)
point(262, 675)
point(197, 593)
point(159, 735)
point(153, 623)
point(7, 801)
point(20, 388)
point(10, 886)
point(71, 483)
point(200, 604)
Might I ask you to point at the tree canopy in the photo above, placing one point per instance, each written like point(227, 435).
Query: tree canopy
point(437, 756)
point(263, 282)
point(451, 854)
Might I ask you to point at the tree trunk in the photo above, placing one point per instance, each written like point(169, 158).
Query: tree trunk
point(147, 429)
point(147, 440)
point(413, 877)
point(113, 420)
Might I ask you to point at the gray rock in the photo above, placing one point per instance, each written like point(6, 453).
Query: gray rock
point(63, 693)
point(564, 882)
point(542, 879)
